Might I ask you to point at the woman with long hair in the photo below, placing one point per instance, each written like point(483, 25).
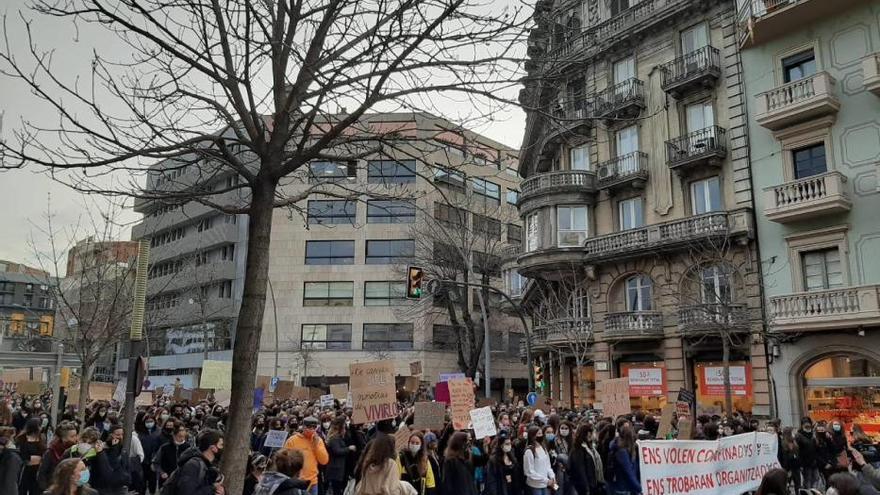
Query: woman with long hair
point(585, 472)
point(623, 461)
point(414, 466)
point(774, 482)
point(536, 463)
point(607, 433)
point(338, 450)
point(458, 478)
point(378, 471)
point(789, 456)
point(501, 476)
point(71, 477)
point(31, 446)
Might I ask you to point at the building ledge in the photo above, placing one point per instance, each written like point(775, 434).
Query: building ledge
point(871, 73)
point(633, 325)
point(796, 102)
point(831, 309)
point(810, 197)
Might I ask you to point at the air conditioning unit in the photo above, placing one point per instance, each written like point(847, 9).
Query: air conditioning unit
point(606, 172)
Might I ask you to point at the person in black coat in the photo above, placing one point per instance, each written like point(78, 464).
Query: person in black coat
point(197, 474)
point(148, 434)
point(458, 478)
point(807, 451)
point(582, 470)
point(501, 470)
point(110, 473)
point(168, 456)
point(334, 471)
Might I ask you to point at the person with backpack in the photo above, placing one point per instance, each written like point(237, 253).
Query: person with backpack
point(196, 473)
point(282, 475)
point(166, 459)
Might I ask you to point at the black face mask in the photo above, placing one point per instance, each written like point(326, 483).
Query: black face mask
point(169, 432)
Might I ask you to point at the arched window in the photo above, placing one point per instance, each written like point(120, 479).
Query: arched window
point(638, 293)
point(716, 286)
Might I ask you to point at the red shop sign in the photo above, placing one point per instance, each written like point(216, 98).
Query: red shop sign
point(647, 381)
point(712, 379)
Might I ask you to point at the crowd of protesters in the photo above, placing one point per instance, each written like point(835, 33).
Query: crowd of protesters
point(176, 448)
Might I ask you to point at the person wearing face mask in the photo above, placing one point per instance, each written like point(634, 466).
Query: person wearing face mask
point(197, 472)
point(31, 446)
point(839, 446)
point(21, 416)
point(148, 435)
point(71, 477)
point(562, 447)
point(334, 473)
point(501, 471)
point(623, 468)
point(110, 469)
point(789, 456)
point(537, 466)
point(585, 472)
point(313, 449)
point(65, 438)
point(167, 458)
point(99, 419)
point(806, 443)
point(415, 468)
point(258, 433)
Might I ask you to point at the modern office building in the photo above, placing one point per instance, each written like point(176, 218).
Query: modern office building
point(27, 309)
point(637, 203)
point(812, 72)
point(338, 261)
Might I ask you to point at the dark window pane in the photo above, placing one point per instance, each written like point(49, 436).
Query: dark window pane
point(799, 66)
point(332, 212)
point(450, 216)
point(382, 211)
point(809, 161)
point(388, 336)
point(391, 172)
point(444, 337)
point(322, 171)
point(321, 336)
point(387, 252)
point(329, 252)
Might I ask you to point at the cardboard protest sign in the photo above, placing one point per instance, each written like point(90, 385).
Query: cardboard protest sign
point(682, 410)
point(373, 391)
point(429, 416)
point(144, 399)
point(15, 375)
point(327, 400)
point(119, 392)
point(441, 392)
point(401, 438)
point(199, 395)
point(483, 422)
point(29, 387)
point(222, 397)
point(483, 402)
point(461, 395)
point(101, 391)
point(339, 391)
point(275, 439)
point(665, 426)
point(216, 375)
point(685, 429)
point(411, 384)
point(415, 368)
point(727, 466)
point(299, 393)
point(263, 382)
point(615, 397)
point(168, 390)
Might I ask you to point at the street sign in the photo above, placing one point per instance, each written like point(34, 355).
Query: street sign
point(532, 398)
point(273, 384)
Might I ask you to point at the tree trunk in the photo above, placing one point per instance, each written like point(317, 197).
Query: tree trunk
point(85, 380)
point(247, 335)
point(725, 357)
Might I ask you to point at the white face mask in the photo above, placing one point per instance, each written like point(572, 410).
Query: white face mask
point(414, 449)
point(506, 448)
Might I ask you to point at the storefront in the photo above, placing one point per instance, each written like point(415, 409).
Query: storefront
point(583, 387)
point(844, 387)
point(647, 384)
point(710, 389)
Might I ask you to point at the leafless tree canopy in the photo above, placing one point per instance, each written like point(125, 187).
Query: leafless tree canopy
point(258, 88)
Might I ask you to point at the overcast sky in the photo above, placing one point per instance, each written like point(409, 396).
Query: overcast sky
point(25, 193)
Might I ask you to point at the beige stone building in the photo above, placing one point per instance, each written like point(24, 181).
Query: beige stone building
point(338, 259)
point(637, 203)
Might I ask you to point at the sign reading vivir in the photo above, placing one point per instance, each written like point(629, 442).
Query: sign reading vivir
point(373, 391)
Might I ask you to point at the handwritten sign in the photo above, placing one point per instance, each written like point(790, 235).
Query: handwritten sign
point(665, 426)
point(429, 416)
point(339, 391)
point(327, 400)
point(401, 438)
point(615, 397)
point(415, 368)
point(483, 422)
point(101, 391)
point(216, 375)
point(461, 395)
point(411, 384)
point(29, 387)
point(275, 439)
point(685, 429)
point(222, 397)
point(199, 395)
point(445, 377)
point(682, 410)
point(373, 391)
point(119, 393)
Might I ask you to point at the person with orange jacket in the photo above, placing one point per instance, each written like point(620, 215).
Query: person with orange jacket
point(313, 450)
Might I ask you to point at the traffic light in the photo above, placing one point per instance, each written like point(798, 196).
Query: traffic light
point(414, 278)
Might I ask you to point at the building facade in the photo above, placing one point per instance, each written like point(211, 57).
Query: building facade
point(27, 309)
point(637, 205)
point(813, 95)
point(338, 260)
point(197, 259)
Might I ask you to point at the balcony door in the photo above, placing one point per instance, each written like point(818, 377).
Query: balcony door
point(638, 293)
point(809, 161)
point(580, 158)
point(798, 66)
point(699, 116)
point(706, 196)
point(624, 70)
point(632, 213)
point(715, 287)
point(822, 269)
point(694, 38)
point(627, 142)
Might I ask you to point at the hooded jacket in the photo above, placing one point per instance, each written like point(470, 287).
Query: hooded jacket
point(314, 454)
point(196, 474)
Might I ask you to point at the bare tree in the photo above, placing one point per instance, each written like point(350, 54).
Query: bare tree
point(256, 89)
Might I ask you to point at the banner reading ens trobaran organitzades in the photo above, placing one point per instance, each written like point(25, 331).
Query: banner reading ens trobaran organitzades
point(729, 466)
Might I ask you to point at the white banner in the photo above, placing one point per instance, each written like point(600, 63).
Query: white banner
point(728, 466)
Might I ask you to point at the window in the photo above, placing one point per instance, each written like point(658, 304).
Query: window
point(511, 172)
point(390, 211)
point(329, 252)
point(202, 258)
point(489, 190)
point(798, 66)
point(226, 289)
point(638, 293)
point(227, 253)
point(512, 197)
point(579, 304)
point(6, 298)
point(624, 70)
point(694, 38)
point(391, 172)
point(809, 161)
point(822, 269)
point(167, 236)
point(388, 336)
point(618, 6)
point(715, 287)
point(450, 216)
point(572, 224)
point(632, 213)
point(205, 224)
point(699, 116)
point(387, 252)
point(580, 158)
point(332, 171)
point(448, 176)
point(514, 234)
point(329, 337)
point(231, 181)
point(706, 196)
point(487, 264)
point(486, 226)
point(28, 300)
point(513, 342)
point(515, 283)
point(444, 338)
point(532, 239)
point(328, 293)
point(230, 219)
point(332, 212)
point(384, 293)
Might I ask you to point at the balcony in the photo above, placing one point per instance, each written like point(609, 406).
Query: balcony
point(796, 102)
point(562, 332)
point(810, 197)
point(830, 309)
point(712, 319)
point(630, 170)
point(871, 73)
point(622, 101)
point(699, 69)
point(696, 150)
point(633, 325)
point(561, 186)
point(572, 116)
point(760, 21)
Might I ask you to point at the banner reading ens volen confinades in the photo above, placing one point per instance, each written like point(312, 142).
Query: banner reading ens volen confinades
point(729, 466)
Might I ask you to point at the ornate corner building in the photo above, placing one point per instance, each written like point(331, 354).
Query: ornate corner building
point(637, 204)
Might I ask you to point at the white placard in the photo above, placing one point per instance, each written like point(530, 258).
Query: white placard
point(119, 393)
point(483, 422)
point(327, 400)
point(275, 439)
